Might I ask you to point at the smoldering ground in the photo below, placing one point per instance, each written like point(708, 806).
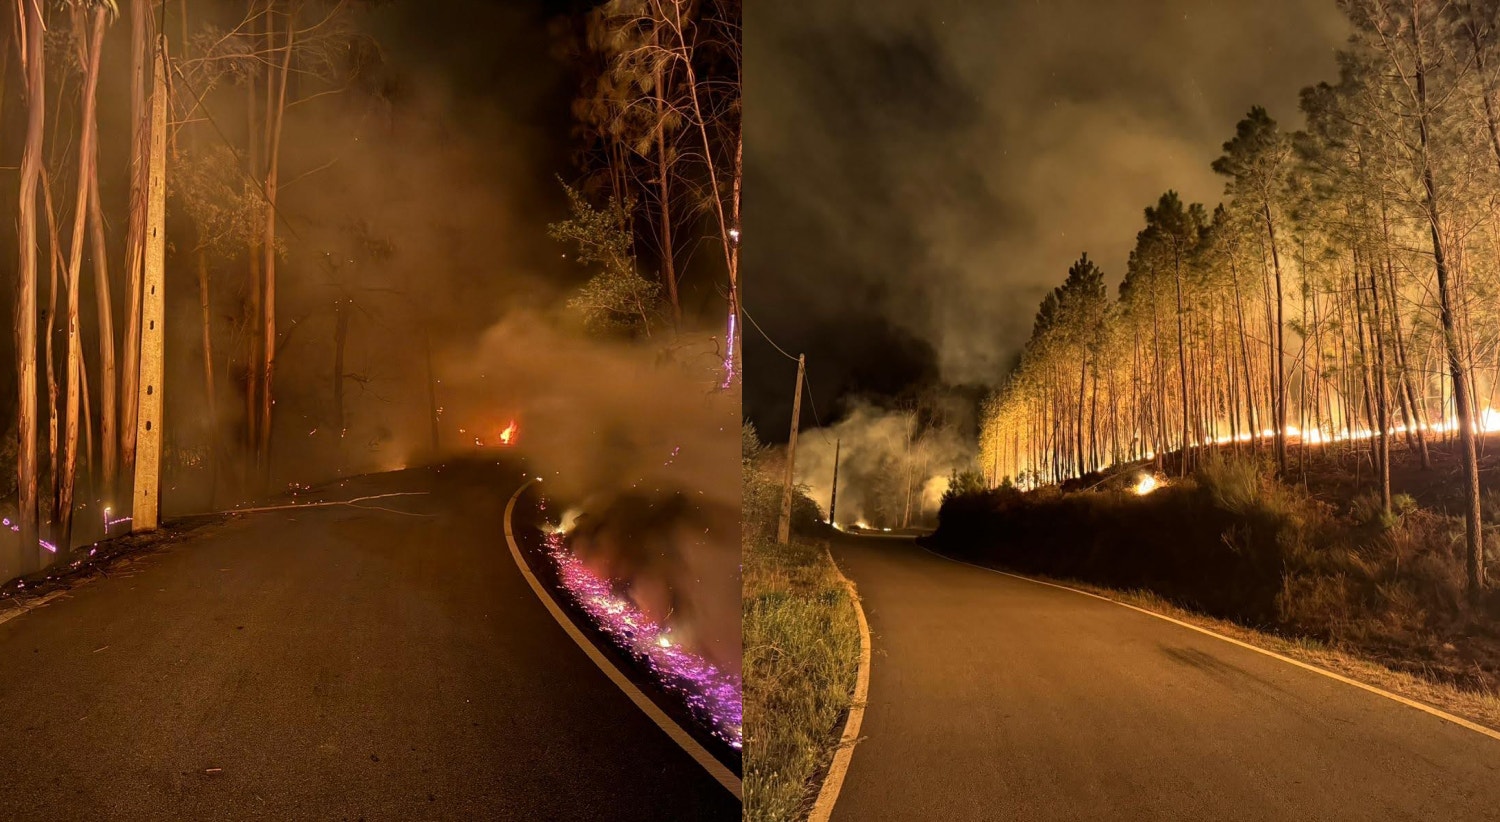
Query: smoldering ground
point(634, 436)
point(893, 463)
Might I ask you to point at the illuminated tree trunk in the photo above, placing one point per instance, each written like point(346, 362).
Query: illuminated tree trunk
point(31, 162)
point(1382, 392)
point(1474, 536)
point(664, 193)
point(49, 340)
point(340, 339)
point(87, 159)
point(135, 231)
point(1181, 360)
point(109, 377)
point(1279, 398)
point(253, 323)
point(274, 119)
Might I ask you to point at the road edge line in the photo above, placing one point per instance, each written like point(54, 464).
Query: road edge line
point(684, 740)
point(22, 610)
point(1394, 697)
point(833, 782)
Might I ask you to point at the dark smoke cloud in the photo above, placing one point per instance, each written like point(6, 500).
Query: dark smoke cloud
point(919, 174)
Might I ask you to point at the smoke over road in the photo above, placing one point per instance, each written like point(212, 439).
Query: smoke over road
point(634, 436)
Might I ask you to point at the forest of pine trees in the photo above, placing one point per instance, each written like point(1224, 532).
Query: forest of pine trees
point(1344, 295)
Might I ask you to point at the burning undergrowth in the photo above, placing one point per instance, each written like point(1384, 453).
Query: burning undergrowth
point(635, 437)
point(604, 561)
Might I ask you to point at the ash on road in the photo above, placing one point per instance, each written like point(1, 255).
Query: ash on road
point(329, 663)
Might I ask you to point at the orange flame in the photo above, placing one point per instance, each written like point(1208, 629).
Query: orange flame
point(509, 434)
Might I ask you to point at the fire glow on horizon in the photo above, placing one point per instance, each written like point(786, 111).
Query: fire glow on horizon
point(713, 696)
point(1488, 422)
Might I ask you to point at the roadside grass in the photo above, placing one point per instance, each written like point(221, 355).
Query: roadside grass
point(801, 639)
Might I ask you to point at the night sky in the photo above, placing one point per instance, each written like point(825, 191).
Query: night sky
point(918, 175)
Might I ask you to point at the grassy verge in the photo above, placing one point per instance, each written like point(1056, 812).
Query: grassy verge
point(801, 656)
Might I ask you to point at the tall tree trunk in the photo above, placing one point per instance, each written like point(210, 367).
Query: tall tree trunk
point(31, 164)
point(1280, 345)
point(664, 192)
point(253, 325)
point(49, 343)
point(1181, 361)
point(1382, 392)
point(1474, 535)
point(275, 118)
point(340, 338)
point(1403, 369)
point(86, 163)
point(210, 395)
point(135, 232)
point(109, 377)
point(728, 223)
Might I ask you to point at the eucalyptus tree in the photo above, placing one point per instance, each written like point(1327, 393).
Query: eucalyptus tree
point(33, 64)
point(88, 19)
point(275, 39)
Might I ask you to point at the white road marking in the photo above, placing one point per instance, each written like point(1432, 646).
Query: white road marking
point(30, 606)
point(834, 782)
point(1411, 703)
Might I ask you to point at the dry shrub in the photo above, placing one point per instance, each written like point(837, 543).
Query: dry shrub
point(1239, 544)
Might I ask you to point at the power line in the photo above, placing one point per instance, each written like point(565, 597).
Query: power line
point(807, 380)
point(766, 336)
point(814, 403)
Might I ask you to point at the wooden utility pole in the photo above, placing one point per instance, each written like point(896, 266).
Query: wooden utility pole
point(833, 498)
point(784, 527)
point(146, 513)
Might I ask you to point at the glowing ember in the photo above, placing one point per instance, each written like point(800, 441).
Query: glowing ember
point(729, 353)
point(1145, 485)
point(569, 519)
point(712, 695)
point(509, 434)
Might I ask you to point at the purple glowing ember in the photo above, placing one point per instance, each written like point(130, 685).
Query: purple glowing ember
point(729, 353)
point(712, 695)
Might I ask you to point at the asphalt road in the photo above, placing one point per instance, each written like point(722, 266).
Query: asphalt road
point(998, 698)
point(332, 663)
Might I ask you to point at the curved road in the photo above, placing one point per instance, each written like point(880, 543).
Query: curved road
point(331, 663)
point(993, 697)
